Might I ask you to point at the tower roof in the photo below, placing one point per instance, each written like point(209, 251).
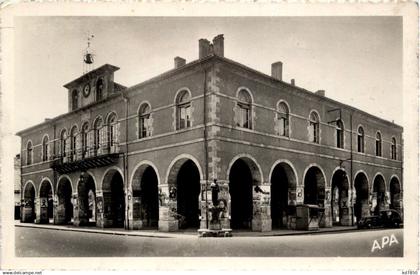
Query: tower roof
point(92, 74)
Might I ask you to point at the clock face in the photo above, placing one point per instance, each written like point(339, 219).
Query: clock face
point(86, 90)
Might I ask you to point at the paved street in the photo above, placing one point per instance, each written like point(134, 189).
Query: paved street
point(55, 243)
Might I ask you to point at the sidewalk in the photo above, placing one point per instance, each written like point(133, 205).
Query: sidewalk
point(181, 234)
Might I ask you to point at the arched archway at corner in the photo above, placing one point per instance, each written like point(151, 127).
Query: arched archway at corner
point(339, 199)
point(283, 195)
point(361, 207)
point(86, 201)
point(395, 194)
point(45, 202)
point(188, 191)
point(378, 194)
point(64, 208)
point(114, 199)
point(145, 198)
point(28, 204)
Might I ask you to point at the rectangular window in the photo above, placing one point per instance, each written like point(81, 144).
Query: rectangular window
point(244, 117)
point(283, 125)
point(185, 116)
point(313, 132)
point(378, 148)
point(145, 126)
point(360, 148)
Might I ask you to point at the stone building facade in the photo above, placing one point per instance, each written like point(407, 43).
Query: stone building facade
point(145, 156)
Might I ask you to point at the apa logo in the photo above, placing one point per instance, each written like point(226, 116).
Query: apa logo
point(385, 241)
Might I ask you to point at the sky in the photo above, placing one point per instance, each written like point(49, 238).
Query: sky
point(356, 60)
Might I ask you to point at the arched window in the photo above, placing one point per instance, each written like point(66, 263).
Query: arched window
point(144, 121)
point(340, 134)
point(283, 119)
point(378, 146)
point(84, 134)
point(63, 143)
point(96, 134)
point(99, 89)
point(360, 140)
point(112, 129)
point(45, 148)
point(183, 110)
point(394, 148)
point(29, 153)
point(314, 127)
point(73, 140)
point(75, 99)
point(244, 110)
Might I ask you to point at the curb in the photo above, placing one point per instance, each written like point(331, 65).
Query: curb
point(128, 233)
point(174, 235)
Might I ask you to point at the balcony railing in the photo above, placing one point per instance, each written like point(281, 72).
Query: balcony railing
point(86, 158)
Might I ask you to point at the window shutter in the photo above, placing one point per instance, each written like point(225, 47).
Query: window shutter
point(311, 132)
point(67, 148)
point(89, 146)
point(102, 138)
point(78, 152)
point(48, 151)
point(60, 150)
point(116, 133)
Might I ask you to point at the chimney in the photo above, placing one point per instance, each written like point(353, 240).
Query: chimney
point(219, 45)
point(276, 70)
point(292, 81)
point(203, 48)
point(179, 62)
point(320, 92)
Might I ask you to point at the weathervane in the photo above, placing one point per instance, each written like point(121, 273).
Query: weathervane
point(88, 56)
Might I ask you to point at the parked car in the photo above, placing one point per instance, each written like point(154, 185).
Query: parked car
point(386, 218)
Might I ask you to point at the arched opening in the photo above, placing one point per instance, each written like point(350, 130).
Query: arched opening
point(144, 121)
point(188, 191)
point(378, 144)
point(361, 207)
point(114, 199)
point(28, 204)
point(378, 194)
point(394, 148)
point(64, 208)
point(45, 148)
point(183, 102)
point(29, 153)
point(339, 198)
point(340, 134)
point(145, 197)
point(283, 119)
point(85, 137)
point(75, 100)
point(244, 111)
point(314, 190)
point(113, 130)
point(86, 196)
point(395, 193)
point(99, 89)
point(97, 127)
point(46, 202)
point(314, 127)
point(360, 140)
point(241, 181)
point(283, 191)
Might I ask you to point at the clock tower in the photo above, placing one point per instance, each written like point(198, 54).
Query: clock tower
point(92, 87)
